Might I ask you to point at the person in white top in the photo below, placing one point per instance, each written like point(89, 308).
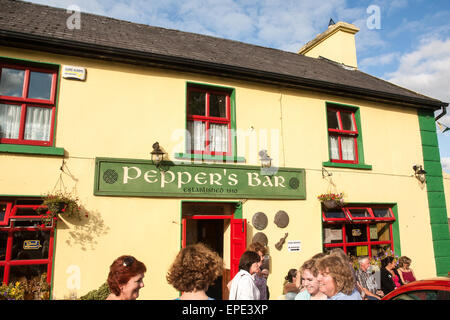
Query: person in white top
point(242, 286)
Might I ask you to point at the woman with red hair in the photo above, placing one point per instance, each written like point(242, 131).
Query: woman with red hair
point(125, 278)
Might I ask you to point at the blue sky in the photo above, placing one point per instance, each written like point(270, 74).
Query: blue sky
point(408, 43)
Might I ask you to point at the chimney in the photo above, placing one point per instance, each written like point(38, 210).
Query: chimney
point(337, 43)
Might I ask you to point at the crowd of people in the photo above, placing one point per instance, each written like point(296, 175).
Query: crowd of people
point(325, 276)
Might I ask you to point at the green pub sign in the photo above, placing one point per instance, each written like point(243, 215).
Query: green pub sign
point(141, 178)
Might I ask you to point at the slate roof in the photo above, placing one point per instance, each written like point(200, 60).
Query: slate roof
point(30, 25)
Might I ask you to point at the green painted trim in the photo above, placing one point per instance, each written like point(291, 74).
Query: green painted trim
point(58, 85)
point(233, 157)
point(27, 62)
point(26, 149)
point(435, 192)
point(191, 156)
point(53, 264)
point(237, 213)
point(396, 232)
point(347, 165)
point(359, 140)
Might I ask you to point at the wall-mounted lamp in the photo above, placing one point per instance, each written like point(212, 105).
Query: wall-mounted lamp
point(157, 154)
point(266, 161)
point(419, 173)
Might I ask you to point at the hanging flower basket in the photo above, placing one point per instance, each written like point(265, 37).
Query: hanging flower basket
point(59, 203)
point(332, 200)
point(332, 204)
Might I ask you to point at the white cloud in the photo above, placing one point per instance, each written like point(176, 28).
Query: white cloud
point(445, 164)
point(379, 60)
point(426, 70)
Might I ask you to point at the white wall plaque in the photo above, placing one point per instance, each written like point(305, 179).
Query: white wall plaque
point(71, 72)
point(294, 245)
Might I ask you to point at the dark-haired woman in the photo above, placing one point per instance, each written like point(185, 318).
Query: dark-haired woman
point(125, 278)
point(290, 288)
point(388, 278)
point(242, 286)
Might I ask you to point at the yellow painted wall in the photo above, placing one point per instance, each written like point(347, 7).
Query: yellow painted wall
point(447, 191)
point(339, 47)
point(121, 110)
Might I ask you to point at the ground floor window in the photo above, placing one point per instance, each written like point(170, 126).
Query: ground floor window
point(359, 231)
point(26, 248)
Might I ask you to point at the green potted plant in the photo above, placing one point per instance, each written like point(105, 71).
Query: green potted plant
point(58, 203)
point(332, 200)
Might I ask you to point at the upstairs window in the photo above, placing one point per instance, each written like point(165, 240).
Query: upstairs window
point(208, 121)
point(27, 105)
point(342, 135)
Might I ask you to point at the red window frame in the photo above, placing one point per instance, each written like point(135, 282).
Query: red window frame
point(367, 221)
point(10, 229)
point(24, 102)
point(208, 119)
point(339, 133)
point(5, 220)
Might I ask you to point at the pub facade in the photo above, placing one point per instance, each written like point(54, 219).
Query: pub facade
point(169, 138)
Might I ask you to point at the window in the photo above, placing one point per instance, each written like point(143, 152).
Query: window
point(26, 250)
point(208, 121)
point(359, 231)
point(342, 135)
point(27, 105)
point(345, 145)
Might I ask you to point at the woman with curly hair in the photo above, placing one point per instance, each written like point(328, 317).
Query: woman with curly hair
point(336, 280)
point(125, 278)
point(195, 268)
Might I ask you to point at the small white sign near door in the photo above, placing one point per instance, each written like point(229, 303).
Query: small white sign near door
point(294, 245)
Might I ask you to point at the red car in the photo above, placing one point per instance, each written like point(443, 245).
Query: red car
point(431, 289)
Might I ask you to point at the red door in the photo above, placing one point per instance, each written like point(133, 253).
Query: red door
point(238, 243)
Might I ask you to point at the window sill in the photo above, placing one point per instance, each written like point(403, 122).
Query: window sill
point(347, 165)
point(189, 156)
point(47, 151)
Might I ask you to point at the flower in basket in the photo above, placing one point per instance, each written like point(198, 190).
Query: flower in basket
point(60, 203)
point(332, 200)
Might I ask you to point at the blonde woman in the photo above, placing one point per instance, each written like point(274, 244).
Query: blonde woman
point(308, 273)
point(404, 271)
point(336, 280)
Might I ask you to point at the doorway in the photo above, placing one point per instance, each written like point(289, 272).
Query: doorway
point(211, 224)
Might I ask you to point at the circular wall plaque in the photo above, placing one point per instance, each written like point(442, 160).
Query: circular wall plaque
point(260, 237)
point(281, 219)
point(259, 220)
